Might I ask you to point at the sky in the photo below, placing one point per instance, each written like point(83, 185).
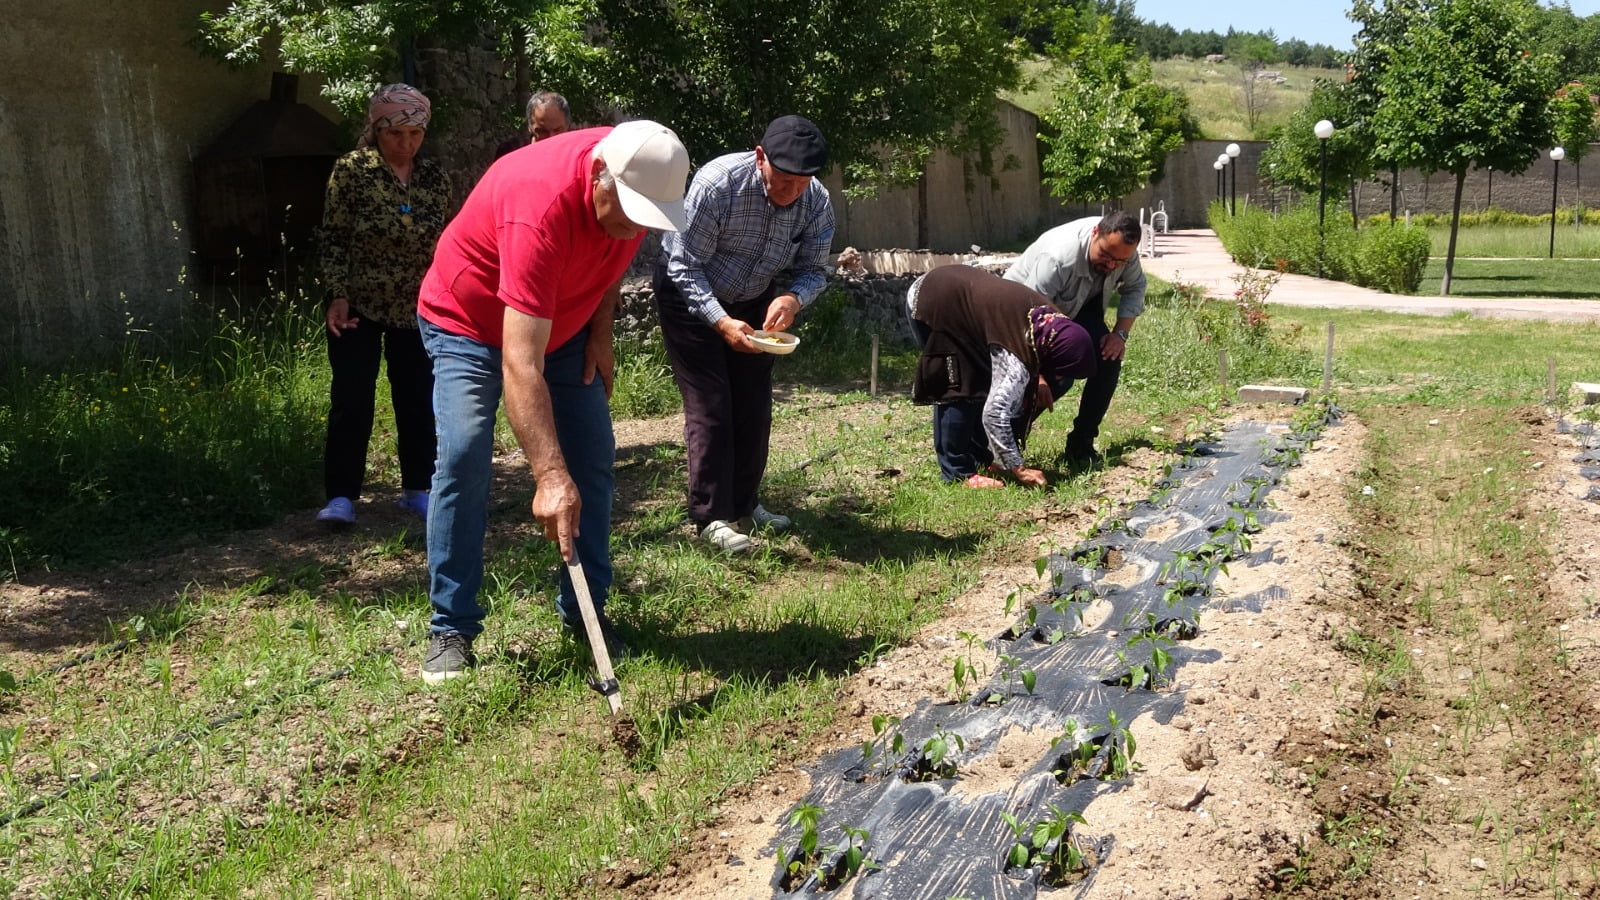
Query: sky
point(1312, 21)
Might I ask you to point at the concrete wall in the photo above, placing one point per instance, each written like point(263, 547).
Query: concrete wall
point(963, 206)
point(103, 107)
point(1190, 185)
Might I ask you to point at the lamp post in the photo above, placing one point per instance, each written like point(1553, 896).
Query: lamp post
point(1556, 156)
point(1217, 164)
point(1490, 203)
point(1233, 192)
point(1222, 161)
point(1323, 131)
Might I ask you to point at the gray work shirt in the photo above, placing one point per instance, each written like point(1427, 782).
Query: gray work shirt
point(1057, 265)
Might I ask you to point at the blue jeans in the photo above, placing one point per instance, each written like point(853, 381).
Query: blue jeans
point(467, 382)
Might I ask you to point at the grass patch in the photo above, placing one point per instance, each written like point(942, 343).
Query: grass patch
point(217, 427)
point(1559, 278)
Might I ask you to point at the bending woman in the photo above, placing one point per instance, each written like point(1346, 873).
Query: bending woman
point(995, 354)
point(384, 212)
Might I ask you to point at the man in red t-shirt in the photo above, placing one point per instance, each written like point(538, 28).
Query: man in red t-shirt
point(521, 296)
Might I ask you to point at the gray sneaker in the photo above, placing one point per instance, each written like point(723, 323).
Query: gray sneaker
point(449, 656)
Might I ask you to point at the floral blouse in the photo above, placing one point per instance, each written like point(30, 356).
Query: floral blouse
point(377, 234)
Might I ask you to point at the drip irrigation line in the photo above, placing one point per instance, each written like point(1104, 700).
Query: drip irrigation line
point(829, 454)
point(84, 657)
point(112, 771)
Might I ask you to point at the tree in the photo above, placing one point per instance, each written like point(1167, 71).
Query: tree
point(1464, 91)
point(1112, 126)
point(349, 42)
point(1572, 114)
point(887, 82)
point(1295, 155)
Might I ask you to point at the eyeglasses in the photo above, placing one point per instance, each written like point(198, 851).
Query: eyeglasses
point(1107, 257)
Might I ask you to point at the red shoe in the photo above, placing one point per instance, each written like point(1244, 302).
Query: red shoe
point(977, 480)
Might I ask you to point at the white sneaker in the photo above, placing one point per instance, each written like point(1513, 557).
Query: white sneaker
point(722, 535)
point(761, 520)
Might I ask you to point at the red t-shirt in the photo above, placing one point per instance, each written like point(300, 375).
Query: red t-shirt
point(526, 238)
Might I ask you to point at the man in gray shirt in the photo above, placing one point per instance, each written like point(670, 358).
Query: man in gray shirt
point(1078, 266)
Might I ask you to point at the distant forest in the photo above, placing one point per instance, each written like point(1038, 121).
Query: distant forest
point(1573, 40)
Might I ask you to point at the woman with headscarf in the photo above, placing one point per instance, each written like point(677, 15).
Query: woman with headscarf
point(995, 354)
point(385, 210)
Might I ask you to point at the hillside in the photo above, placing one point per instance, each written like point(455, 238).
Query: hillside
point(1215, 94)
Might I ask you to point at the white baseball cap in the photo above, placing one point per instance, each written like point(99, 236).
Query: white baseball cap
point(651, 168)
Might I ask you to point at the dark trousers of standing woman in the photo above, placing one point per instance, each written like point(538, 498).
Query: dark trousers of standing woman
point(354, 358)
point(727, 404)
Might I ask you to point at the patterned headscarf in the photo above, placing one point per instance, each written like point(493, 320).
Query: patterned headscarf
point(1066, 350)
point(392, 106)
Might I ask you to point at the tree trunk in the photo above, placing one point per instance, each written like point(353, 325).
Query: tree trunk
point(1455, 223)
point(1394, 191)
point(922, 208)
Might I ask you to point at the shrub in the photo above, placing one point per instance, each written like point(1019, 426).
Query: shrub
point(1384, 257)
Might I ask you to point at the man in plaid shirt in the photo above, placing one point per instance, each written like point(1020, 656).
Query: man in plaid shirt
point(760, 229)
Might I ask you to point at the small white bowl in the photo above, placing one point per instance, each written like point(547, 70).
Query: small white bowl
point(779, 342)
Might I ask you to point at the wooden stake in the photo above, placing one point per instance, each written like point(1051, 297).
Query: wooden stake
point(1222, 369)
point(874, 382)
point(1327, 364)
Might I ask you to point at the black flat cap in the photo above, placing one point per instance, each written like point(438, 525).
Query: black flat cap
point(795, 146)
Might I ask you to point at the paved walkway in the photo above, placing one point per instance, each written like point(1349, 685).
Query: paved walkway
point(1196, 257)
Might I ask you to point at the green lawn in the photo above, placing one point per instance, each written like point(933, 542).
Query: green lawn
point(1518, 241)
point(1574, 278)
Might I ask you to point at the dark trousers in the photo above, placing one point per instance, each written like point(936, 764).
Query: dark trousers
point(727, 404)
point(1097, 388)
point(354, 358)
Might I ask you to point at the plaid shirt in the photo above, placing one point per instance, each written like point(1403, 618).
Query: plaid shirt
point(738, 245)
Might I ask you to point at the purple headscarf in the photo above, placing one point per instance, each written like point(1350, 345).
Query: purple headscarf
point(392, 106)
point(1066, 351)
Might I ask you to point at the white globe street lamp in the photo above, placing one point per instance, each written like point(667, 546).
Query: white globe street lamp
point(1557, 154)
point(1233, 151)
point(1323, 130)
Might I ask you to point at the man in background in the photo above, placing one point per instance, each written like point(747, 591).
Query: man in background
point(548, 116)
point(1078, 267)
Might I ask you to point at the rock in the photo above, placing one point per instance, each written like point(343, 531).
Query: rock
point(1196, 753)
point(1177, 793)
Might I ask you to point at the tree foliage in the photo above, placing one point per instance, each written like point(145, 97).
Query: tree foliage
point(1572, 114)
point(1465, 91)
point(1294, 156)
point(1112, 126)
point(887, 82)
point(352, 43)
point(1454, 85)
